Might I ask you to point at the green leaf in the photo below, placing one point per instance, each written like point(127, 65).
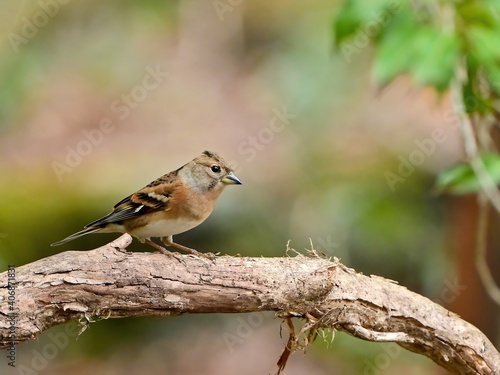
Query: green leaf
point(347, 21)
point(483, 51)
point(474, 99)
point(363, 17)
point(396, 51)
point(428, 53)
point(471, 13)
point(493, 73)
point(437, 56)
point(461, 179)
point(484, 44)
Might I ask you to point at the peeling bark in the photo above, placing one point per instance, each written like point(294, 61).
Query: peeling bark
point(111, 282)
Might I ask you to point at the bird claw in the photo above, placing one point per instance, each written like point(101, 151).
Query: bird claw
point(209, 256)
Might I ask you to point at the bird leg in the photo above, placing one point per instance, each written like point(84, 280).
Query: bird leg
point(168, 241)
point(161, 249)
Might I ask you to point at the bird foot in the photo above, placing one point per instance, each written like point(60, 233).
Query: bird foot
point(186, 249)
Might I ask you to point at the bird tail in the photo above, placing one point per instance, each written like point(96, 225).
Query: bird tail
point(76, 235)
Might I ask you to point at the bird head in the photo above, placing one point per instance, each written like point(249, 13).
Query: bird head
point(209, 172)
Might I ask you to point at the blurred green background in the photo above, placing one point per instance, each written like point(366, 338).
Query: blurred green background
point(170, 79)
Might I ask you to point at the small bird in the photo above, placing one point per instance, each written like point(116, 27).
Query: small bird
point(172, 204)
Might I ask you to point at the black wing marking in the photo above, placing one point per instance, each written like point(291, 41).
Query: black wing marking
point(133, 206)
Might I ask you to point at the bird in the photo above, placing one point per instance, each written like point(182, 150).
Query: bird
point(174, 203)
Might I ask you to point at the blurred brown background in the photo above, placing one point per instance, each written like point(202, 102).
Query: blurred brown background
point(99, 98)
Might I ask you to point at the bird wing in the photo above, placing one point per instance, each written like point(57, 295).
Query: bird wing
point(154, 197)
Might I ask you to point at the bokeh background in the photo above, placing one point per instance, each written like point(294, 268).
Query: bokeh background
point(99, 98)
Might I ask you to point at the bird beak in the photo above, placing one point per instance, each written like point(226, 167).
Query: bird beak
point(231, 179)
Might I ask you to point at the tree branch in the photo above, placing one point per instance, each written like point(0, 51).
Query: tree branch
point(110, 282)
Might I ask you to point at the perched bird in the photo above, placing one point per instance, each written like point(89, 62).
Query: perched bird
point(172, 204)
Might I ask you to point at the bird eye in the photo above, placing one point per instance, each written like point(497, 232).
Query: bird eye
point(215, 168)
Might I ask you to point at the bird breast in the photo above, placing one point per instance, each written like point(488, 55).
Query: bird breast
point(163, 228)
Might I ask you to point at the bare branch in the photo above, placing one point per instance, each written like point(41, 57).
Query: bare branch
point(110, 282)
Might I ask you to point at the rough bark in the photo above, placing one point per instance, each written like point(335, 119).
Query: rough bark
point(111, 282)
